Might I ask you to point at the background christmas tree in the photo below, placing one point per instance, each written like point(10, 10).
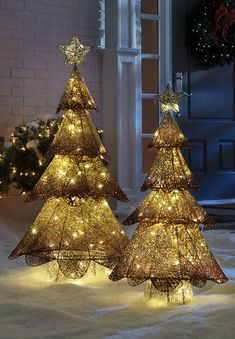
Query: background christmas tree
point(76, 225)
point(167, 248)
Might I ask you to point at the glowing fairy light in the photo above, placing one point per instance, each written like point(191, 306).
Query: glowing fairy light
point(167, 238)
point(76, 224)
point(62, 173)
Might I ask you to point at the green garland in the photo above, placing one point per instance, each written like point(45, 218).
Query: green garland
point(212, 35)
point(5, 168)
point(21, 160)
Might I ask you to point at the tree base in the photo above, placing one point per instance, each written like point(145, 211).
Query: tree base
point(181, 295)
point(54, 273)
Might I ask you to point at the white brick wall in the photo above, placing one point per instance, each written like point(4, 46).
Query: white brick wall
point(32, 75)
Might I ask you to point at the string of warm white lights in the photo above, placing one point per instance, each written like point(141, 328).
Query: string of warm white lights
point(82, 177)
point(77, 136)
point(76, 225)
point(167, 249)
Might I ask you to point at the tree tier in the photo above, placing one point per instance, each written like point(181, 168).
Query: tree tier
point(82, 177)
point(175, 207)
point(76, 95)
point(166, 256)
point(77, 136)
point(168, 134)
point(73, 236)
point(168, 172)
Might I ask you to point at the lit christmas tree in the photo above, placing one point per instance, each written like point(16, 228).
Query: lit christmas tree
point(167, 249)
point(76, 225)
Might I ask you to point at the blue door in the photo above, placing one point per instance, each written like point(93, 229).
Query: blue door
point(207, 118)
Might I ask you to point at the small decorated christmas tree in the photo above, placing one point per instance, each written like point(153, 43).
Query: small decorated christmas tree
point(167, 249)
point(76, 225)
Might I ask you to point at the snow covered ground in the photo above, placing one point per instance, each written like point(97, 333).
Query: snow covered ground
point(33, 307)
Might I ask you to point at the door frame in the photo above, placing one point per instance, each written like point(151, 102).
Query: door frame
point(165, 61)
point(122, 115)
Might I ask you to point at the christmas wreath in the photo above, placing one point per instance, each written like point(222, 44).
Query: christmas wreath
point(213, 32)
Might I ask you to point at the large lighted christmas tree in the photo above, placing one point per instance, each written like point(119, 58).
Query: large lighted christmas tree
point(76, 225)
point(167, 248)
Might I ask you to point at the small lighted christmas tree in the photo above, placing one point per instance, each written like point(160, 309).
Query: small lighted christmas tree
point(167, 249)
point(76, 225)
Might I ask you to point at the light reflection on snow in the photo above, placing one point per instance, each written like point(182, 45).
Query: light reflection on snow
point(95, 307)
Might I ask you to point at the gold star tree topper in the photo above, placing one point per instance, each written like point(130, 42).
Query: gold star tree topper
point(75, 52)
point(169, 100)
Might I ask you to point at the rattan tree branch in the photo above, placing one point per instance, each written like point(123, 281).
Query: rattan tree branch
point(76, 225)
point(167, 249)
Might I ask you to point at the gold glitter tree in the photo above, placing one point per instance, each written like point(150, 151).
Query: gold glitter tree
point(76, 225)
point(167, 249)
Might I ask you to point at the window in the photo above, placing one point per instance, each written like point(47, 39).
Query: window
point(149, 75)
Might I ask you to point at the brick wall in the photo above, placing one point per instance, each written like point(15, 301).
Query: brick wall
point(32, 75)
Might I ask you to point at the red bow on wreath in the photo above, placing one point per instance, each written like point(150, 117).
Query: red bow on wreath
point(224, 18)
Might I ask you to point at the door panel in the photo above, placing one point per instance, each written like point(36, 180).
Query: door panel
point(207, 118)
point(212, 87)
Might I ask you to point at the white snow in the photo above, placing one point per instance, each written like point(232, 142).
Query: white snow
point(94, 307)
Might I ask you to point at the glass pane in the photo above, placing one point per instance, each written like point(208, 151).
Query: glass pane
point(149, 76)
point(149, 115)
point(149, 6)
point(148, 155)
point(149, 36)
